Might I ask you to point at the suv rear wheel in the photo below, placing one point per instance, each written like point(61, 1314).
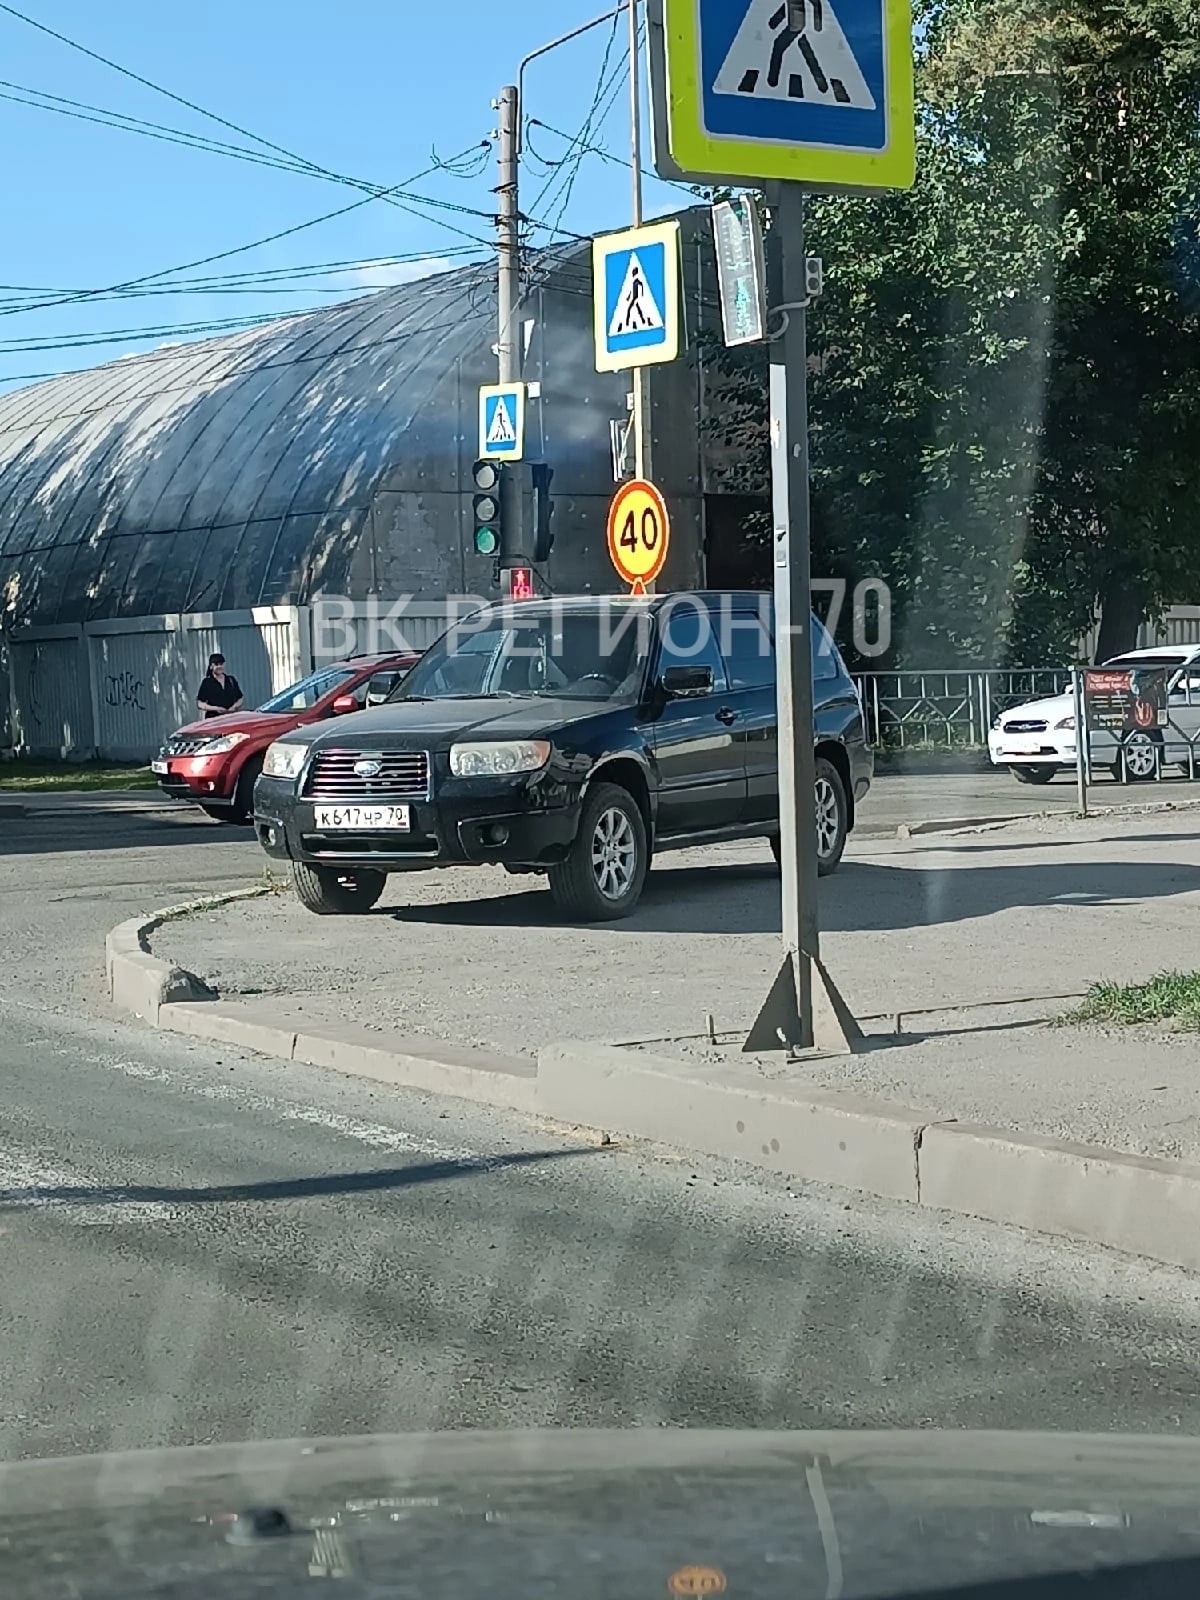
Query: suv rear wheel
point(832, 817)
point(603, 876)
point(337, 891)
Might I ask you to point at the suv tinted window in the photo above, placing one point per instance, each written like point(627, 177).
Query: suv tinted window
point(688, 638)
point(827, 663)
point(749, 653)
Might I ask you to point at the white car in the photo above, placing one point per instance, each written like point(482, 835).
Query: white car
point(1036, 740)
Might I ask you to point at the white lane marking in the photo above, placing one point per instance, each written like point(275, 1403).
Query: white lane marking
point(376, 1135)
point(30, 1184)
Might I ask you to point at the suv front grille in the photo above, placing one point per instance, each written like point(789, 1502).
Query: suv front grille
point(187, 747)
point(402, 775)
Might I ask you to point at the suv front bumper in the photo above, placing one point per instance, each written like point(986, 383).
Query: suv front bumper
point(508, 822)
point(210, 778)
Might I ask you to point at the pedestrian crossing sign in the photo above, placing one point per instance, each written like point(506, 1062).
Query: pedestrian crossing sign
point(636, 292)
point(502, 422)
point(818, 92)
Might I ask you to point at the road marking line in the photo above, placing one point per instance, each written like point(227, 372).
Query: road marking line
point(75, 1195)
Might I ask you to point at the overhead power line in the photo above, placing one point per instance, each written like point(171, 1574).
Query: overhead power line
point(82, 111)
point(148, 83)
point(693, 191)
point(159, 355)
point(269, 280)
point(219, 255)
point(294, 162)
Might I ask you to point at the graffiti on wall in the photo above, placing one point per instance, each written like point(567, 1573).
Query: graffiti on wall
point(124, 689)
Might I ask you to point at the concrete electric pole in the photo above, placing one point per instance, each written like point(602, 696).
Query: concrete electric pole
point(508, 234)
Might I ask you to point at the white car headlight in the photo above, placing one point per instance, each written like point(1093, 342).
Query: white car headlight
point(227, 741)
point(284, 760)
point(1065, 722)
point(498, 759)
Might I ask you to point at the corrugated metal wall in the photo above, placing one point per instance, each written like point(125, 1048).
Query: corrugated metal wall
point(50, 704)
point(116, 689)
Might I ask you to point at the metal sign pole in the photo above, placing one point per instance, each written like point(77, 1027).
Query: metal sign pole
point(789, 1019)
point(1082, 740)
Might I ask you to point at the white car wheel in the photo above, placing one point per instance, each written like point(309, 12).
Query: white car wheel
point(1142, 754)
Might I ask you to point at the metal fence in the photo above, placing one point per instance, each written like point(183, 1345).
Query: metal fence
point(949, 710)
point(115, 689)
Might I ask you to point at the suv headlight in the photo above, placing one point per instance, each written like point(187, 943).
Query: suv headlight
point(499, 759)
point(227, 741)
point(284, 760)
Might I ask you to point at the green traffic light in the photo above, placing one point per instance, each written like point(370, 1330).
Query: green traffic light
point(486, 542)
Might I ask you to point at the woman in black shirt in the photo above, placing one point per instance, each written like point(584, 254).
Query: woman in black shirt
point(220, 692)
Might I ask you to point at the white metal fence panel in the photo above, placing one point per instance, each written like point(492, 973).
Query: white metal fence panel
point(141, 688)
point(50, 703)
point(116, 689)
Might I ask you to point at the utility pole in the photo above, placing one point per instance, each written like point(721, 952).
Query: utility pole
point(641, 409)
point(507, 235)
point(508, 293)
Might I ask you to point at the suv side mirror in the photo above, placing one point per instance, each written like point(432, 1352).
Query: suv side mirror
point(343, 703)
point(687, 683)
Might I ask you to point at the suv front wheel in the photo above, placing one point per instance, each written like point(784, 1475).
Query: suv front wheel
point(337, 891)
point(602, 877)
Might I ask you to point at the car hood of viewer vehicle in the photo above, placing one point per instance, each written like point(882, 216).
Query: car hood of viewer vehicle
point(403, 724)
point(1057, 707)
point(638, 1512)
point(266, 724)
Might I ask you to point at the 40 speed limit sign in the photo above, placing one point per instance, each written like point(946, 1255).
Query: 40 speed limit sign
point(639, 531)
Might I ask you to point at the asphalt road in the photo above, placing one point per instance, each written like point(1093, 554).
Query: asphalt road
point(198, 1245)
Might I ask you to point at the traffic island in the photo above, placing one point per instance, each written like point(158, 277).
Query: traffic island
point(960, 957)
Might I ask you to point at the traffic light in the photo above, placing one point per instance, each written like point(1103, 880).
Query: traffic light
point(487, 507)
point(543, 510)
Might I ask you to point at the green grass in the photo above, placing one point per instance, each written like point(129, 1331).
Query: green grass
point(45, 776)
point(1169, 996)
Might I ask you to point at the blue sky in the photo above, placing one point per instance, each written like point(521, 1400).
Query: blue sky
point(366, 90)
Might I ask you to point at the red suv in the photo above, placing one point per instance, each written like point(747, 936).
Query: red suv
point(216, 761)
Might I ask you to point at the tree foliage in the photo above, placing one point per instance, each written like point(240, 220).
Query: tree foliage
point(1005, 386)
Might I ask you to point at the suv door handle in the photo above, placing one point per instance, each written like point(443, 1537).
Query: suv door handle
point(726, 715)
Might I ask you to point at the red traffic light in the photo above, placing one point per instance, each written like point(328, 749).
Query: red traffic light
point(520, 583)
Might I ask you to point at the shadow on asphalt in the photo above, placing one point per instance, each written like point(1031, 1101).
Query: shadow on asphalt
point(277, 1188)
point(48, 834)
point(864, 896)
point(952, 847)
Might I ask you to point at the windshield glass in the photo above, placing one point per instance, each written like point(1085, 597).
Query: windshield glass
point(581, 655)
point(304, 695)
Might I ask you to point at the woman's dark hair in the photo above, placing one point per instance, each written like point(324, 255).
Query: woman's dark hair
point(216, 661)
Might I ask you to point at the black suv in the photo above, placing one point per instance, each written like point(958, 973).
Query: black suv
point(573, 737)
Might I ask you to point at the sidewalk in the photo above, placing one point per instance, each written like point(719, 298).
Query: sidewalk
point(976, 940)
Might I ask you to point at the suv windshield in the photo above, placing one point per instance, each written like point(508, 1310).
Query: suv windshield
point(304, 695)
point(582, 655)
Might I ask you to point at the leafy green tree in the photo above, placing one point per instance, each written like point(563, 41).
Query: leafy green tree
point(1005, 396)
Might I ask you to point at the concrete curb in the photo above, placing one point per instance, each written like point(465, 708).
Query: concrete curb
point(428, 1065)
point(912, 830)
point(140, 982)
point(770, 1119)
point(1139, 1204)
